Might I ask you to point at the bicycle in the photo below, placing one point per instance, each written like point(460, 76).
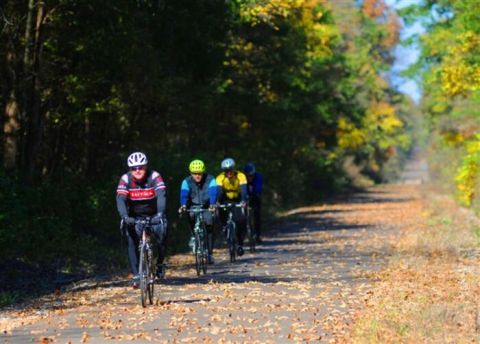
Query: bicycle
point(231, 229)
point(250, 230)
point(200, 249)
point(146, 263)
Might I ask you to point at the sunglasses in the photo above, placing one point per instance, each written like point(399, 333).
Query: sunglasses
point(137, 168)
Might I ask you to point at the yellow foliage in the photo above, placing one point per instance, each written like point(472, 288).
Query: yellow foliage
point(382, 116)
point(459, 78)
point(453, 138)
point(467, 175)
point(266, 11)
point(457, 74)
point(349, 136)
point(320, 36)
point(381, 127)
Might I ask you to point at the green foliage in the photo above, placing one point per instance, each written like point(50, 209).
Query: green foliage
point(8, 298)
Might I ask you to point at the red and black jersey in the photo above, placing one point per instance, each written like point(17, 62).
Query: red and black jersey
point(141, 197)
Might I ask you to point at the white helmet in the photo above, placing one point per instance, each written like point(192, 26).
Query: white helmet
point(228, 164)
point(137, 159)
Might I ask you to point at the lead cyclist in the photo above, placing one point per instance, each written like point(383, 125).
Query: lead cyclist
point(141, 194)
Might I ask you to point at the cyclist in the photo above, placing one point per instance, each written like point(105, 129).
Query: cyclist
point(232, 186)
point(254, 187)
point(200, 189)
point(141, 194)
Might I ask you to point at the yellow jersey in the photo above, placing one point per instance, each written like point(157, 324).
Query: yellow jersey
point(232, 187)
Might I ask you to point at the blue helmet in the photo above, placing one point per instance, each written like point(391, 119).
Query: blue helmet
point(249, 169)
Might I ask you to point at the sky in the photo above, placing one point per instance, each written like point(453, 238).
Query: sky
point(404, 56)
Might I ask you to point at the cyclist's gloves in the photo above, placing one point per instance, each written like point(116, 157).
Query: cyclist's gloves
point(182, 209)
point(157, 219)
point(129, 220)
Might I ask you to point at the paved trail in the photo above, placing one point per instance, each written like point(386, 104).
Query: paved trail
point(303, 284)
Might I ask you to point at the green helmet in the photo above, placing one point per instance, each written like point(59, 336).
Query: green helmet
point(196, 166)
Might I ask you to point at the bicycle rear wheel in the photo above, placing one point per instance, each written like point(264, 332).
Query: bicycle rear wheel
point(251, 235)
point(143, 274)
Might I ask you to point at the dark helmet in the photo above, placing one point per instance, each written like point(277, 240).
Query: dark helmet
point(249, 169)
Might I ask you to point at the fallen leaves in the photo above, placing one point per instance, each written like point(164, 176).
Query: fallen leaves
point(85, 337)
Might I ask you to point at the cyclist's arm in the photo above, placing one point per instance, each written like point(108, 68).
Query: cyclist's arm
point(219, 182)
point(160, 187)
point(122, 206)
point(161, 200)
point(212, 191)
point(184, 192)
point(122, 194)
point(243, 186)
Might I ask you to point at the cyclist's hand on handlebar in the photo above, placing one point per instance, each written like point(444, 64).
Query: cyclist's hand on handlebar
point(158, 218)
point(182, 209)
point(129, 220)
point(212, 208)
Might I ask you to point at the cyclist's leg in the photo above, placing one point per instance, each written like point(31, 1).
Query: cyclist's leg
point(208, 219)
point(257, 216)
point(222, 218)
point(160, 233)
point(191, 222)
point(241, 220)
point(133, 242)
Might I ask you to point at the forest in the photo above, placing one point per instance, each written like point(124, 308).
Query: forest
point(299, 87)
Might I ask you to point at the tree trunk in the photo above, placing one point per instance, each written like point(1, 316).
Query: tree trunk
point(10, 130)
point(11, 120)
point(35, 116)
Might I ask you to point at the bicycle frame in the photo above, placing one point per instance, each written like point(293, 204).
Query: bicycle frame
point(231, 229)
point(200, 234)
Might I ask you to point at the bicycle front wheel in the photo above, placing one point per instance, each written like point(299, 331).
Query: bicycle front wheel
point(232, 241)
point(198, 254)
point(143, 274)
point(204, 246)
point(151, 275)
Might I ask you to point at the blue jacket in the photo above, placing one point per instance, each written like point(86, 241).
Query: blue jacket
point(255, 187)
point(202, 193)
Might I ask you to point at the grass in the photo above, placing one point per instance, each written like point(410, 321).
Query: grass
point(8, 298)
